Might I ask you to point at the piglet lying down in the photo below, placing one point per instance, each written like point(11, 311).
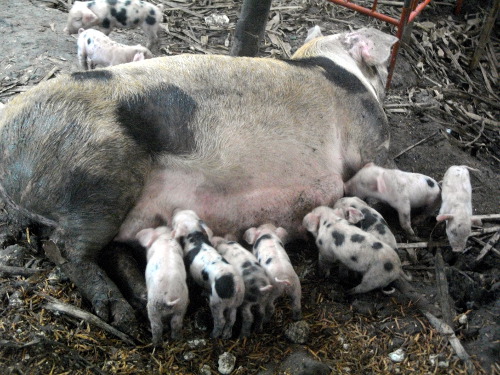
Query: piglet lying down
point(358, 250)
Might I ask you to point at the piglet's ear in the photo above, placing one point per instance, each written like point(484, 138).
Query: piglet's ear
point(88, 17)
point(370, 46)
point(216, 241)
point(206, 230)
point(354, 215)
point(312, 33)
point(311, 222)
point(381, 187)
point(250, 236)
point(282, 234)
point(444, 217)
point(146, 237)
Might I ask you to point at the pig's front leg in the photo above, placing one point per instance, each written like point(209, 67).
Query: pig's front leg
point(95, 286)
point(404, 213)
point(247, 320)
point(217, 310)
point(324, 266)
point(230, 319)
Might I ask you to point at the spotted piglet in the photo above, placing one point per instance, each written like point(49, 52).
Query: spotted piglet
point(270, 252)
point(456, 208)
point(359, 213)
point(356, 249)
point(210, 270)
point(257, 283)
point(401, 190)
point(168, 295)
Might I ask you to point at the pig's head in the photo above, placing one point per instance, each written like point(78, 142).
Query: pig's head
point(368, 180)
point(187, 221)
point(364, 53)
point(80, 16)
point(216, 241)
point(457, 230)
point(148, 236)
point(313, 219)
point(252, 234)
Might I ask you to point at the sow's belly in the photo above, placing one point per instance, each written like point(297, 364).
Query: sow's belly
point(234, 204)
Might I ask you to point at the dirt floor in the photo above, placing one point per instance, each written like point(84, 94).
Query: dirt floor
point(434, 100)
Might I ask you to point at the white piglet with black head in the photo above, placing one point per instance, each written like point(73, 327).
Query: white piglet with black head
point(267, 241)
point(210, 270)
point(168, 295)
point(257, 284)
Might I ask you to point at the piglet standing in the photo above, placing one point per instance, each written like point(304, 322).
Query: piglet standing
point(95, 48)
point(257, 283)
point(356, 249)
point(168, 295)
point(107, 14)
point(267, 241)
point(401, 190)
point(359, 213)
point(456, 208)
point(210, 270)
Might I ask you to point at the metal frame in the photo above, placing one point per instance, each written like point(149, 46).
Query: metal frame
point(410, 10)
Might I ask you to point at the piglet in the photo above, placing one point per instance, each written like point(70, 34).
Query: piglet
point(456, 207)
point(210, 270)
point(267, 241)
point(356, 249)
point(257, 283)
point(106, 14)
point(359, 213)
point(95, 48)
point(168, 294)
point(401, 190)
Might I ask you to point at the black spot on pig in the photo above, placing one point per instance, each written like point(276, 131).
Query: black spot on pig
point(357, 238)
point(369, 219)
point(189, 257)
point(252, 293)
point(158, 119)
point(388, 266)
point(376, 114)
point(333, 72)
point(377, 246)
point(329, 225)
point(89, 40)
point(324, 222)
point(224, 286)
point(381, 228)
point(231, 242)
point(136, 21)
point(112, 2)
point(429, 182)
point(204, 274)
point(246, 264)
point(152, 12)
point(320, 242)
point(338, 237)
point(98, 75)
point(90, 4)
point(106, 23)
point(128, 2)
point(120, 16)
point(264, 237)
point(223, 260)
point(150, 20)
point(269, 260)
point(198, 238)
point(354, 258)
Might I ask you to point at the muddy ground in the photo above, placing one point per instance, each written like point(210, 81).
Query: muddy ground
point(431, 99)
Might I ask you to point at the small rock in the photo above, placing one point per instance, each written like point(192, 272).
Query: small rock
point(197, 343)
point(205, 370)
point(462, 319)
point(298, 332)
point(397, 356)
point(226, 363)
point(300, 363)
point(218, 20)
point(15, 300)
point(188, 356)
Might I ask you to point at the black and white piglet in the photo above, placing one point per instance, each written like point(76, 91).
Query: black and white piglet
point(356, 249)
point(267, 241)
point(210, 270)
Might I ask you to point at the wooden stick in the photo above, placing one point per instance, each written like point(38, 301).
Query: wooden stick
point(19, 271)
point(487, 217)
point(416, 144)
point(485, 231)
point(58, 306)
point(491, 242)
point(442, 288)
point(485, 34)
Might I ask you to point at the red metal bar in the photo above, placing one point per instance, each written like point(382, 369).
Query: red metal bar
point(418, 9)
point(366, 11)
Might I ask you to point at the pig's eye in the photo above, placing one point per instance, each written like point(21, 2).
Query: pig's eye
point(78, 19)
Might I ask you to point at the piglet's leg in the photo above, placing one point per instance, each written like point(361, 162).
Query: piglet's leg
point(218, 317)
point(405, 218)
point(230, 319)
point(247, 317)
point(155, 318)
point(295, 293)
point(176, 326)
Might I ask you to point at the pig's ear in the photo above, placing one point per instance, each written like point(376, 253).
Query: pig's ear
point(206, 230)
point(88, 17)
point(250, 236)
point(282, 233)
point(370, 164)
point(381, 187)
point(371, 46)
point(312, 33)
point(80, 30)
point(444, 217)
point(311, 222)
point(180, 231)
point(354, 215)
point(146, 237)
point(139, 56)
point(216, 241)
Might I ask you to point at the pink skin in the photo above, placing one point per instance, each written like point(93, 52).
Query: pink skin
point(168, 295)
point(456, 207)
point(273, 257)
point(401, 190)
point(358, 250)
